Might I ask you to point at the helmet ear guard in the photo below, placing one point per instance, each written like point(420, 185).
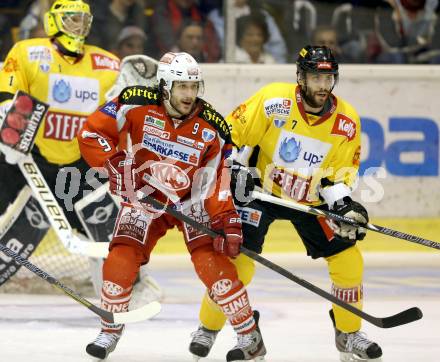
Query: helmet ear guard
point(50, 25)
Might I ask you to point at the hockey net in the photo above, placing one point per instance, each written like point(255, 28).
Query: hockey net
point(70, 269)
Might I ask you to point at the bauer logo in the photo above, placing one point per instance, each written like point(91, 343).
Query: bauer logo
point(76, 94)
point(249, 216)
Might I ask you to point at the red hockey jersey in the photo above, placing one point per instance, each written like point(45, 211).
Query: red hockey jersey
point(185, 162)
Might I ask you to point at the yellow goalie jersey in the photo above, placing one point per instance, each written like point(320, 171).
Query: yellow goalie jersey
point(73, 90)
point(298, 152)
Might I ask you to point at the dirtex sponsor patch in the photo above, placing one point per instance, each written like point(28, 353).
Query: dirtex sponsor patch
point(171, 149)
point(157, 132)
point(155, 122)
point(249, 215)
point(278, 106)
point(133, 223)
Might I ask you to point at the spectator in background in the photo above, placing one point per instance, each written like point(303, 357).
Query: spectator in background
point(190, 40)
point(168, 17)
point(252, 35)
point(5, 37)
point(410, 34)
point(31, 26)
point(130, 41)
point(111, 17)
point(326, 35)
point(275, 44)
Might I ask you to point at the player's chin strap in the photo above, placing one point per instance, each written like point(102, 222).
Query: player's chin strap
point(407, 316)
point(318, 212)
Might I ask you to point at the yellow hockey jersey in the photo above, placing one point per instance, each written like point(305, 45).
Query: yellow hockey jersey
point(73, 91)
point(298, 152)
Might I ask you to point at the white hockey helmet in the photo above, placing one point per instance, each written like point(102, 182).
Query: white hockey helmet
point(179, 67)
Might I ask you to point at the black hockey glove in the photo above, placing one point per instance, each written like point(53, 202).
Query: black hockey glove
point(242, 184)
point(354, 210)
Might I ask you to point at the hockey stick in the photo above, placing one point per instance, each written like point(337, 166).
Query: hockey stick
point(55, 213)
point(407, 316)
point(318, 212)
point(146, 312)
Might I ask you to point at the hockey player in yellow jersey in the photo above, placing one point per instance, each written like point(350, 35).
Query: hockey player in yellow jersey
point(306, 147)
point(72, 78)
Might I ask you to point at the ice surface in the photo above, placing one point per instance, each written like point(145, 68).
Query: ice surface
point(294, 322)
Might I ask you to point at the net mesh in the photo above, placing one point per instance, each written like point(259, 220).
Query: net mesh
point(51, 256)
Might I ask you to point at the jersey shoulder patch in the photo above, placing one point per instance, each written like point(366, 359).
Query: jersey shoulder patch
point(139, 95)
point(215, 119)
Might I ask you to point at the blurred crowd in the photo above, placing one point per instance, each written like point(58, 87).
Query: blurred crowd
point(266, 31)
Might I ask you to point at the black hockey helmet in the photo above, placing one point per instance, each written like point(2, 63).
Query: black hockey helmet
point(317, 59)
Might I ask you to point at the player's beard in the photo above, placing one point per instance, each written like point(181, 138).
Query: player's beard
point(312, 99)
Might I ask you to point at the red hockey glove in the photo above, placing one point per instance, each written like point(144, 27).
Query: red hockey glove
point(123, 179)
point(229, 224)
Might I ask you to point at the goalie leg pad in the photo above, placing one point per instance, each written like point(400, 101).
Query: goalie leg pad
point(22, 227)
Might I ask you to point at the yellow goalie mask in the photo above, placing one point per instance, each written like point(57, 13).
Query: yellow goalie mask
point(69, 21)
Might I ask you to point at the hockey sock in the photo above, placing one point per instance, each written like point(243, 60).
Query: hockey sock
point(346, 271)
point(235, 306)
point(211, 316)
point(119, 273)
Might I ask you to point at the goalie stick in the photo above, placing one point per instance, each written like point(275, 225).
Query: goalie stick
point(18, 129)
point(55, 214)
point(318, 212)
point(146, 312)
point(407, 316)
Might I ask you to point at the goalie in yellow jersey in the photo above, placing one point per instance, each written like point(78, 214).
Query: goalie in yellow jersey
point(305, 145)
point(73, 78)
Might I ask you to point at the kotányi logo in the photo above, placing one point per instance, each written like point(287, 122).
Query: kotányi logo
point(289, 149)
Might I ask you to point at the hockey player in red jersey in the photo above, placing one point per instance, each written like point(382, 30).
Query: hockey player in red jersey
point(180, 146)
